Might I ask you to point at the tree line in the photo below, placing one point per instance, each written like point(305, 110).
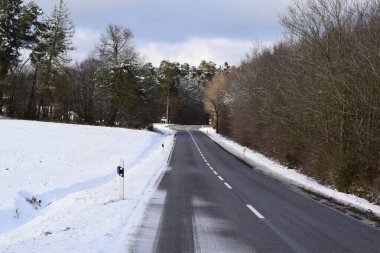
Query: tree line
point(312, 101)
point(112, 86)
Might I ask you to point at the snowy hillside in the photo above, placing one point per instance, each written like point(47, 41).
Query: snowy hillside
point(68, 173)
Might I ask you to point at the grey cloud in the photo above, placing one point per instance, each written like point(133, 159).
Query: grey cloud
point(174, 20)
point(172, 28)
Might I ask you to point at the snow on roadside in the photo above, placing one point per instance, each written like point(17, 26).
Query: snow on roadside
point(72, 169)
point(293, 177)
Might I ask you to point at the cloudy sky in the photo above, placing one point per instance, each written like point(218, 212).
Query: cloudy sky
point(178, 30)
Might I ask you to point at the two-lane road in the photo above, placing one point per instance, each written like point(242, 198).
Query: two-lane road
point(208, 201)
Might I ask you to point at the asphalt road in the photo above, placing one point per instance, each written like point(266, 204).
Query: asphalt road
point(208, 201)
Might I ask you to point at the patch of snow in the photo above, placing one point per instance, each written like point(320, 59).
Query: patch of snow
point(71, 169)
point(293, 177)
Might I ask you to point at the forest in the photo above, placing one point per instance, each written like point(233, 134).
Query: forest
point(113, 86)
point(312, 101)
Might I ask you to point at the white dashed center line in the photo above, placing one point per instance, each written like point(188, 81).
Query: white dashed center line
point(255, 212)
point(228, 186)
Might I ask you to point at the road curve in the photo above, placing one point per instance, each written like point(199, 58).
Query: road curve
point(208, 201)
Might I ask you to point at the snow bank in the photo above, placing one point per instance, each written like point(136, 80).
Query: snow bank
point(71, 169)
point(293, 177)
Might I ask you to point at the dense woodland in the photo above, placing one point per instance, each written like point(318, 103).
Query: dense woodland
point(310, 101)
point(113, 86)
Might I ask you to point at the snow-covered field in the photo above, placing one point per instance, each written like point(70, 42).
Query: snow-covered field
point(281, 172)
point(71, 169)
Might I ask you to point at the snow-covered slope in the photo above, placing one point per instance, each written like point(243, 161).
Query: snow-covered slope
point(275, 169)
point(71, 169)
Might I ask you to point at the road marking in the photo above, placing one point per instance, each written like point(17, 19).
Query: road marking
point(255, 212)
point(228, 186)
point(200, 152)
point(196, 145)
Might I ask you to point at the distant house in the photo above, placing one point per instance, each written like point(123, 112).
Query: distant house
point(164, 120)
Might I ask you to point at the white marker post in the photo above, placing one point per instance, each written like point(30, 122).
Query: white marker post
point(120, 171)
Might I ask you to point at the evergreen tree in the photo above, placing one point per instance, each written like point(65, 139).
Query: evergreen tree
point(50, 56)
point(206, 71)
point(118, 82)
point(17, 30)
point(168, 77)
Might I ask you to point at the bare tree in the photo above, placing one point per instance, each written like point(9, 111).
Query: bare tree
point(312, 100)
point(117, 79)
point(215, 96)
point(50, 59)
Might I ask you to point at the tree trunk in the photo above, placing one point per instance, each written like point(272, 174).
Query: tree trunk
point(112, 119)
point(30, 112)
point(217, 122)
point(1, 97)
point(167, 108)
point(2, 88)
point(39, 110)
